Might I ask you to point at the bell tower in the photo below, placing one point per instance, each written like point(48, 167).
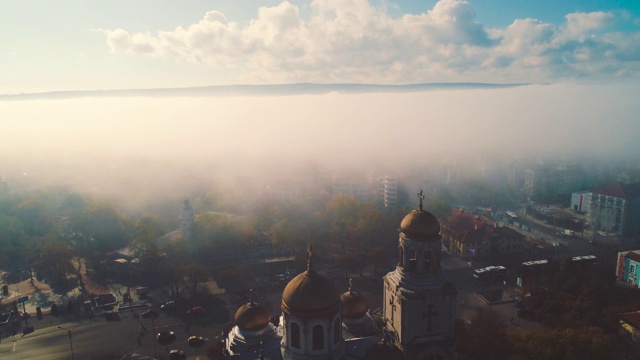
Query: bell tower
point(419, 303)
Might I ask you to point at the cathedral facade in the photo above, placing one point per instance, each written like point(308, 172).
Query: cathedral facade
point(317, 322)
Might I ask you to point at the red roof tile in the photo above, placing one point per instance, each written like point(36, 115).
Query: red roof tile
point(614, 190)
point(618, 190)
point(633, 256)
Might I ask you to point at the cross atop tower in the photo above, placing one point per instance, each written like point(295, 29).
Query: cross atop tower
point(310, 262)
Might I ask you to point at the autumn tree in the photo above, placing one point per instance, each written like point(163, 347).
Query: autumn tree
point(485, 337)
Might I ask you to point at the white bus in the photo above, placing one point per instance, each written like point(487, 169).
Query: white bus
point(489, 272)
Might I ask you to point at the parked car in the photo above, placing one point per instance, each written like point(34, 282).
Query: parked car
point(166, 338)
point(196, 310)
point(168, 305)
point(177, 355)
point(150, 314)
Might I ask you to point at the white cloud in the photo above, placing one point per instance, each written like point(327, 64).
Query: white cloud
point(354, 41)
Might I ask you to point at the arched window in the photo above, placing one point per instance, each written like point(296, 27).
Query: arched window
point(426, 261)
point(336, 331)
point(318, 337)
point(295, 335)
point(413, 260)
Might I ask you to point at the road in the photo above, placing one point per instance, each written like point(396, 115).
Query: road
point(116, 333)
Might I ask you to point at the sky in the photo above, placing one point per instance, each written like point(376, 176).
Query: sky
point(79, 45)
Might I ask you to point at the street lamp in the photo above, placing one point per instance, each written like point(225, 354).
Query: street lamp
point(70, 342)
point(152, 314)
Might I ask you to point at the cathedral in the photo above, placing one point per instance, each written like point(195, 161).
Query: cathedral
point(317, 322)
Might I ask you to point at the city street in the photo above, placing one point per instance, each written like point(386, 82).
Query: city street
point(117, 332)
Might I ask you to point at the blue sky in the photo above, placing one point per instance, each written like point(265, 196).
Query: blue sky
point(76, 45)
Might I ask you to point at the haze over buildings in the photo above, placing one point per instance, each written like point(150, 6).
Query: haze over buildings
point(580, 60)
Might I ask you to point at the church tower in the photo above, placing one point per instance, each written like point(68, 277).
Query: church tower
point(188, 227)
point(419, 304)
point(311, 318)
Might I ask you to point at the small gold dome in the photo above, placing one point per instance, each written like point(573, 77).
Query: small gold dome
point(354, 305)
point(252, 316)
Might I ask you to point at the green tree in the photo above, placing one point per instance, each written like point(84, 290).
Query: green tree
point(108, 229)
point(148, 227)
point(195, 274)
point(12, 242)
point(36, 215)
point(343, 211)
point(54, 262)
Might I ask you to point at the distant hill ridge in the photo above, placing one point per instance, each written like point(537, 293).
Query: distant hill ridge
point(252, 90)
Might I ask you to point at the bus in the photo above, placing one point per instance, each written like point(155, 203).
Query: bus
point(533, 267)
point(528, 268)
point(489, 272)
point(587, 259)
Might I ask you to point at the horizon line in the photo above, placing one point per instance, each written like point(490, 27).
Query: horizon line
point(254, 90)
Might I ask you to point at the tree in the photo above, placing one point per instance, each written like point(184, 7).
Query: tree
point(107, 228)
point(195, 274)
point(231, 277)
point(54, 262)
point(485, 337)
point(379, 257)
point(287, 234)
point(148, 227)
point(12, 242)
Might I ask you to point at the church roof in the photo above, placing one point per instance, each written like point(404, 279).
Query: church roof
point(354, 305)
point(252, 316)
point(309, 292)
point(420, 224)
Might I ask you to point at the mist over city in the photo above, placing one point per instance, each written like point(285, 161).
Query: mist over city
point(319, 179)
point(134, 148)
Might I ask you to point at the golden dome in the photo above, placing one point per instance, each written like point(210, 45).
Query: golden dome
point(252, 316)
point(309, 292)
point(420, 224)
point(354, 305)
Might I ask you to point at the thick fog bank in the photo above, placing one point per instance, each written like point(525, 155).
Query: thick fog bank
point(144, 145)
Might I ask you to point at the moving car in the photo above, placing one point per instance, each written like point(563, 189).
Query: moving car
point(196, 341)
point(166, 338)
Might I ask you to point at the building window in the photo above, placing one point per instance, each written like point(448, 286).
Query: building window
point(318, 337)
point(632, 268)
point(426, 261)
point(336, 331)
point(295, 335)
point(413, 260)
